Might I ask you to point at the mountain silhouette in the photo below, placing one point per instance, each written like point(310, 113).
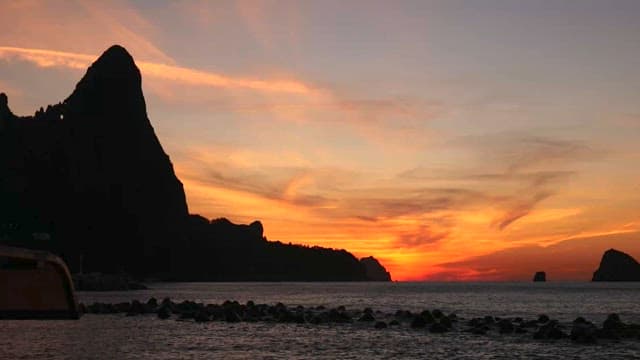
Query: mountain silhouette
point(88, 179)
point(91, 172)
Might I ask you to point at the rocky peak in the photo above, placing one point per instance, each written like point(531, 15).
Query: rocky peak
point(115, 62)
point(617, 266)
point(4, 106)
point(111, 88)
point(5, 112)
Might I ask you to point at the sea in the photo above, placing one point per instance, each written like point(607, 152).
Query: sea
point(117, 336)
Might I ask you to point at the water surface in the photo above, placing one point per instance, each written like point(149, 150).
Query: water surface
point(146, 337)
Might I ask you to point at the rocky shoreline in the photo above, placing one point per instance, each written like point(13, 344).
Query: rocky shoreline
point(580, 331)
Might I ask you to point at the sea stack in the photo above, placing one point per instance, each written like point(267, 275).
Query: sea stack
point(617, 266)
point(374, 270)
point(540, 276)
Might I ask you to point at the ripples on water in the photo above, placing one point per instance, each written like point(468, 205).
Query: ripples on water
point(146, 337)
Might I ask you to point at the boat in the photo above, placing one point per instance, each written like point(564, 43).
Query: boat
point(35, 285)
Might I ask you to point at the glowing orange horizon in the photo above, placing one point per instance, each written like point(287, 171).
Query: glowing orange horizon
point(288, 222)
point(369, 133)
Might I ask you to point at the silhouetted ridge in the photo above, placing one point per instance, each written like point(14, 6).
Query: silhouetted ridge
point(219, 250)
point(88, 179)
point(115, 64)
point(617, 266)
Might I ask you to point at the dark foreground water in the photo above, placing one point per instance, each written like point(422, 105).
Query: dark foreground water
point(147, 337)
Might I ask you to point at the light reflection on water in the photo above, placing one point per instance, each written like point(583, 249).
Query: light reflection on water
point(117, 336)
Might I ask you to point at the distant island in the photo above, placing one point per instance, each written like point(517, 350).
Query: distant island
point(540, 276)
point(88, 179)
point(617, 266)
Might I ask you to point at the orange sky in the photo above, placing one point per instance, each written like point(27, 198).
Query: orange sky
point(476, 142)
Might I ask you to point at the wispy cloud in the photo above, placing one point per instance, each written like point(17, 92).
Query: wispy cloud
point(520, 209)
point(123, 22)
point(47, 58)
point(516, 152)
point(79, 26)
point(523, 171)
point(182, 75)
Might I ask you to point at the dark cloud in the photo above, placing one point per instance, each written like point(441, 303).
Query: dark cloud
point(521, 209)
point(515, 152)
point(518, 171)
point(402, 201)
point(268, 182)
point(421, 237)
point(379, 110)
point(537, 178)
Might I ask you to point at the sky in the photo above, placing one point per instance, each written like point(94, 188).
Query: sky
point(452, 140)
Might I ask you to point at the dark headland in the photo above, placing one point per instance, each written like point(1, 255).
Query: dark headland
point(87, 179)
point(374, 270)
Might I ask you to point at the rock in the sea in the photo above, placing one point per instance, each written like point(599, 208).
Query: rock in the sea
point(543, 318)
point(164, 313)
point(201, 316)
point(550, 330)
point(438, 327)
point(613, 328)
point(374, 270)
point(506, 326)
point(617, 266)
point(418, 322)
point(540, 276)
point(428, 316)
point(583, 331)
point(380, 325)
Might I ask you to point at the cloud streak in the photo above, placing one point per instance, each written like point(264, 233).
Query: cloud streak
point(520, 210)
point(186, 76)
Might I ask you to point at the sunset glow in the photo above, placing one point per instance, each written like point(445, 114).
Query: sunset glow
point(405, 134)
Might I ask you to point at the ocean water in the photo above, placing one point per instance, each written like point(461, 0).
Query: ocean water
point(147, 337)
